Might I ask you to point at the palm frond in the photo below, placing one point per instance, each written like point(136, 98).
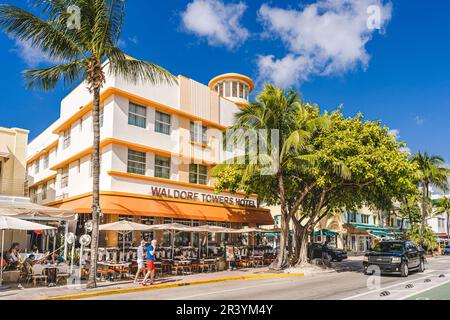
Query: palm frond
point(137, 71)
point(46, 79)
point(26, 27)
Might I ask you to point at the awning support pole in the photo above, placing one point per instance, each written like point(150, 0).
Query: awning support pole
point(3, 257)
point(66, 231)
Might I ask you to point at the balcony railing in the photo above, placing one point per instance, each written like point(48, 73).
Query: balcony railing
point(14, 187)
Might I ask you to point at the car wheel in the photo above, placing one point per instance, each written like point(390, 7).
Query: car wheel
point(421, 266)
point(404, 269)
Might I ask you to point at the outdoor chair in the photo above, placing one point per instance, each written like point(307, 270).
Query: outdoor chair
point(187, 267)
point(200, 266)
point(104, 272)
point(36, 275)
point(62, 274)
point(122, 271)
point(177, 266)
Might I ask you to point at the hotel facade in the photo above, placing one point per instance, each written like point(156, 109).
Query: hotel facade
point(158, 146)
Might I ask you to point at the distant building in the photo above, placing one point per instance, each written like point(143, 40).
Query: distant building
point(440, 224)
point(13, 148)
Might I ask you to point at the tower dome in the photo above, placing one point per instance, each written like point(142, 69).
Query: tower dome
point(233, 86)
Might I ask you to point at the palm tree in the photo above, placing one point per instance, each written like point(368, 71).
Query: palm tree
point(443, 206)
point(277, 110)
point(86, 53)
point(431, 170)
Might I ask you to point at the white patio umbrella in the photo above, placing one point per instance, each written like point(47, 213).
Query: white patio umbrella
point(173, 227)
point(10, 223)
point(124, 227)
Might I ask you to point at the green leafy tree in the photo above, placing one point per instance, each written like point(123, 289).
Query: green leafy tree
point(418, 234)
point(296, 124)
point(431, 171)
point(442, 205)
point(85, 52)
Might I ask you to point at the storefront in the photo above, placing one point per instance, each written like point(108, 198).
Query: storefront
point(152, 210)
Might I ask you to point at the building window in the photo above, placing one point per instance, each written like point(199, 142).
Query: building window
point(352, 217)
point(198, 174)
point(37, 166)
point(162, 167)
point(66, 139)
point(64, 177)
point(227, 88)
point(137, 115)
point(235, 89)
point(241, 90)
point(1, 168)
point(247, 92)
point(46, 161)
point(365, 218)
point(198, 133)
point(136, 162)
point(162, 122)
point(81, 124)
point(44, 191)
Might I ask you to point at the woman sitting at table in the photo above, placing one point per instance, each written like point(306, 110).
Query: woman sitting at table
point(13, 258)
point(53, 258)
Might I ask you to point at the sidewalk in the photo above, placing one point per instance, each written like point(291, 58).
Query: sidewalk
point(107, 288)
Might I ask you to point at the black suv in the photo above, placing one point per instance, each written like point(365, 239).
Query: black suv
point(316, 250)
point(395, 257)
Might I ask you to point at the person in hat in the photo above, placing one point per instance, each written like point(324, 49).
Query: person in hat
point(140, 260)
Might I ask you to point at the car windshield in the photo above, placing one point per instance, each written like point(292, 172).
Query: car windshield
point(388, 247)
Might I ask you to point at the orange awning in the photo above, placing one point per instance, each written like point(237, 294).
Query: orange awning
point(169, 208)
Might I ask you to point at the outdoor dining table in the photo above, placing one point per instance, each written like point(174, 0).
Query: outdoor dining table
point(51, 271)
point(115, 266)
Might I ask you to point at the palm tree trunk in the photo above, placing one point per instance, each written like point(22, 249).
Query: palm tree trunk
point(92, 283)
point(424, 211)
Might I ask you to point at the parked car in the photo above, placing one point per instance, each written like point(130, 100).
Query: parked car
point(396, 257)
point(446, 250)
point(316, 250)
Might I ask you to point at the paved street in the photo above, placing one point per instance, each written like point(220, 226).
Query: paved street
point(347, 282)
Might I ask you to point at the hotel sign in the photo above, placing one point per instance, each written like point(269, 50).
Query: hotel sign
point(202, 197)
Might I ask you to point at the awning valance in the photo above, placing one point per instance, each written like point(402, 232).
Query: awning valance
point(324, 232)
point(138, 205)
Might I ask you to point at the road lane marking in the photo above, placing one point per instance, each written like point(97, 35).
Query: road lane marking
point(385, 288)
point(424, 290)
point(229, 290)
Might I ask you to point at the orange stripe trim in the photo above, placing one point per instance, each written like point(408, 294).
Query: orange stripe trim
point(131, 145)
point(43, 151)
point(53, 176)
point(137, 99)
point(167, 181)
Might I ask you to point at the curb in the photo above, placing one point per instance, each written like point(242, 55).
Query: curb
point(165, 286)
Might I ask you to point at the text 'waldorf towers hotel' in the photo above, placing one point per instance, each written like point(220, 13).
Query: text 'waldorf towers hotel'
point(158, 146)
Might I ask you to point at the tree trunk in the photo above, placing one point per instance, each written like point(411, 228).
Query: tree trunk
point(424, 211)
point(92, 283)
point(297, 240)
point(303, 254)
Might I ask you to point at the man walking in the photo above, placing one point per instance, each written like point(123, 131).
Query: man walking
point(140, 260)
point(151, 249)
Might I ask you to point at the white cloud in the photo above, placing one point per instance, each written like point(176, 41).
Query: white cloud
point(216, 21)
point(419, 120)
point(405, 150)
point(32, 56)
point(134, 39)
point(394, 132)
point(327, 37)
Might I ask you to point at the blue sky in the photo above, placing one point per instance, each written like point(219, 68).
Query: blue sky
point(399, 74)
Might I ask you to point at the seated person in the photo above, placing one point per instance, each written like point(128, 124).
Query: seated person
point(13, 258)
point(54, 258)
point(3, 263)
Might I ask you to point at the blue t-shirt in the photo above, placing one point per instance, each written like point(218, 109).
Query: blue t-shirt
point(150, 256)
